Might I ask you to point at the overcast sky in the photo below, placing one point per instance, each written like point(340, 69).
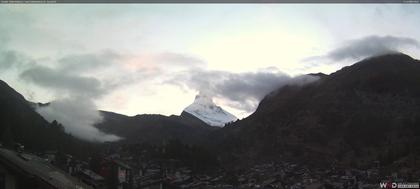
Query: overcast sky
point(154, 58)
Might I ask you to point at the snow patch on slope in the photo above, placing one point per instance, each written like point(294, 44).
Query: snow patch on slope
point(205, 109)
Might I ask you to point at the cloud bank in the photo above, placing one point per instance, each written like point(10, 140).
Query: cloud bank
point(77, 81)
point(63, 82)
point(78, 115)
point(74, 105)
point(371, 46)
point(364, 47)
point(241, 91)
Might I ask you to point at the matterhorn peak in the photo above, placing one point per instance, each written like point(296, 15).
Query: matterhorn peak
point(204, 98)
point(206, 110)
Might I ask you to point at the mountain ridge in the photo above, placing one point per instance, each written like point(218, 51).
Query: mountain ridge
point(20, 123)
point(361, 113)
point(155, 128)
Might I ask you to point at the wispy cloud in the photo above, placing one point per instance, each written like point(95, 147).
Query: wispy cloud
point(74, 106)
point(365, 47)
point(78, 115)
point(62, 82)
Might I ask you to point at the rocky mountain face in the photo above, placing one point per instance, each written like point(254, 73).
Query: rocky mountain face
point(206, 110)
point(361, 113)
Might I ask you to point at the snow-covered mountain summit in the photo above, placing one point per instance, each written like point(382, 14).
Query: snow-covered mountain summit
point(206, 110)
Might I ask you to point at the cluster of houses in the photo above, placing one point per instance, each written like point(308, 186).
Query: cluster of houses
point(112, 172)
point(20, 170)
point(285, 175)
point(282, 176)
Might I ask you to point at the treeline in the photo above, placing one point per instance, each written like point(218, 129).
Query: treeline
point(43, 137)
point(20, 123)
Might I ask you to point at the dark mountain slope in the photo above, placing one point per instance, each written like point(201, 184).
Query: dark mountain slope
point(364, 112)
point(156, 128)
point(20, 123)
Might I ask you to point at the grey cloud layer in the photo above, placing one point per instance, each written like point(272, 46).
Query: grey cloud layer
point(78, 63)
point(62, 82)
point(77, 80)
point(365, 47)
point(371, 46)
point(13, 60)
point(7, 59)
point(74, 106)
point(240, 90)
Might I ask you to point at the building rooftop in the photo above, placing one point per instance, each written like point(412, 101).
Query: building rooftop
point(122, 164)
point(35, 166)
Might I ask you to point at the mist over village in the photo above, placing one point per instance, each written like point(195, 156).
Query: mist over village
point(201, 96)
